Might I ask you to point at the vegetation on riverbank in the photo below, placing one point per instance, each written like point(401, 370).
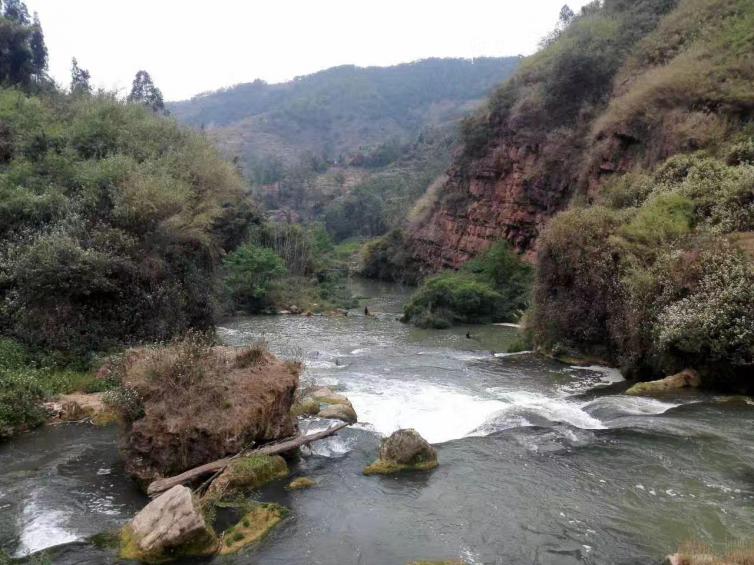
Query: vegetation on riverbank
point(492, 288)
point(654, 277)
point(288, 267)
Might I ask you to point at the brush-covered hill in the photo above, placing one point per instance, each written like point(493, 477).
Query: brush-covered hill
point(633, 126)
point(347, 138)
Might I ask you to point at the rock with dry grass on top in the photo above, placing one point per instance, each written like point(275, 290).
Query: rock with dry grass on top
point(190, 403)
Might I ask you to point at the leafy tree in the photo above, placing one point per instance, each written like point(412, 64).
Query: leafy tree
point(566, 15)
point(144, 91)
point(251, 272)
point(16, 11)
point(80, 79)
point(15, 52)
point(38, 48)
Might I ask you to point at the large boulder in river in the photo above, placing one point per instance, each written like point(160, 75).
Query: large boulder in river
point(189, 403)
point(404, 450)
point(344, 412)
point(171, 524)
point(684, 379)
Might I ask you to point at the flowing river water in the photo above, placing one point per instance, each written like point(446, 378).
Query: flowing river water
point(539, 462)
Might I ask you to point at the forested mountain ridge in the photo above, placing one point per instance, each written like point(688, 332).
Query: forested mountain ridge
point(383, 132)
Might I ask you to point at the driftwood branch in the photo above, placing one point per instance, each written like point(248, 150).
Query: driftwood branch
point(161, 485)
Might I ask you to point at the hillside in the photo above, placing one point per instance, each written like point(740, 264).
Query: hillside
point(613, 92)
point(310, 142)
point(635, 122)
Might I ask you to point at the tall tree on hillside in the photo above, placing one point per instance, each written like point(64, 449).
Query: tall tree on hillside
point(38, 49)
point(566, 15)
point(80, 79)
point(15, 52)
point(144, 91)
point(16, 11)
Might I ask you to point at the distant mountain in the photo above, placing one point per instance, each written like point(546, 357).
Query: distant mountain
point(310, 141)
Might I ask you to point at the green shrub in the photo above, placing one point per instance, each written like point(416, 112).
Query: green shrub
point(453, 298)
point(390, 258)
point(112, 223)
point(492, 288)
point(251, 271)
point(20, 402)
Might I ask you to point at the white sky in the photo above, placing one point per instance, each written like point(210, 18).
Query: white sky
point(191, 46)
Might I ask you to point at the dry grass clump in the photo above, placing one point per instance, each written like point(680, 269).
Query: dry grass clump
point(697, 553)
point(190, 402)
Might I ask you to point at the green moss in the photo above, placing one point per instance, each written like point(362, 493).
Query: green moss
point(202, 546)
point(301, 483)
point(250, 472)
point(381, 467)
point(305, 407)
point(253, 527)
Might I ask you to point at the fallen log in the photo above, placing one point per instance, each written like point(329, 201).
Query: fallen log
point(161, 485)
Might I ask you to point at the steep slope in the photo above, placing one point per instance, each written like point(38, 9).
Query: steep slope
point(621, 160)
point(625, 84)
point(309, 143)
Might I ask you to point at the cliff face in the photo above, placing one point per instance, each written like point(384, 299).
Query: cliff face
point(502, 195)
point(621, 88)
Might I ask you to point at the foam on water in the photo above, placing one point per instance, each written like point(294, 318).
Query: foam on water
point(439, 413)
point(41, 527)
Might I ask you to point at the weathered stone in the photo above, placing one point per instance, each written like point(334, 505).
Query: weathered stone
point(404, 450)
point(685, 379)
point(169, 522)
point(344, 412)
point(328, 396)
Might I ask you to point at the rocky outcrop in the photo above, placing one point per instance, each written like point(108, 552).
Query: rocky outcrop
point(685, 379)
point(255, 525)
point(509, 193)
point(197, 406)
point(404, 450)
point(168, 524)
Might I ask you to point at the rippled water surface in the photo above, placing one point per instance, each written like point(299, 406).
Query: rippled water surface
point(539, 462)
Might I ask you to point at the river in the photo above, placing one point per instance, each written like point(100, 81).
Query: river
point(539, 462)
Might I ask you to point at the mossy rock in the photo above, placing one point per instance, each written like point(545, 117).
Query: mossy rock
point(305, 407)
point(203, 546)
point(381, 467)
point(343, 412)
point(404, 450)
point(249, 472)
point(301, 483)
point(254, 526)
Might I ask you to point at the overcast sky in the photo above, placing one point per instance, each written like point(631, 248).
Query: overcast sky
point(191, 46)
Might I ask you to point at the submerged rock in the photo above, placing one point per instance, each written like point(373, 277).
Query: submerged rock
point(344, 412)
point(404, 450)
point(252, 527)
point(684, 379)
point(301, 483)
point(171, 524)
point(248, 472)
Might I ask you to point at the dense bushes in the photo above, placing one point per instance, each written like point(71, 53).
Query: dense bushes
point(286, 265)
point(491, 288)
point(389, 258)
point(113, 221)
point(654, 280)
